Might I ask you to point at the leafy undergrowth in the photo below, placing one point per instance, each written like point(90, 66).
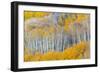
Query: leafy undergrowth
point(77, 51)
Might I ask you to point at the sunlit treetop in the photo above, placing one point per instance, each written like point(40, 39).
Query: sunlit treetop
point(30, 14)
point(81, 17)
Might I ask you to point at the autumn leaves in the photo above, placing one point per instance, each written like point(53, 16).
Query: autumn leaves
point(56, 36)
point(77, 51)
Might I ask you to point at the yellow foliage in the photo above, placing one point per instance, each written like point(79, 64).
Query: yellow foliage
point(70, 53)
point(81, 17)
point(81, 47)
point(36, 57)
point(27, 57)
point(67, 23)
point(41, 14)
point(30, 14)
point(46, 34)
point(47, 56)
point(73, 17)
point(75, 52)
point(52, 56)
point(34, 33)
point(51, 29)
point(58, 55)
point(43, 32)
point(26, 51)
